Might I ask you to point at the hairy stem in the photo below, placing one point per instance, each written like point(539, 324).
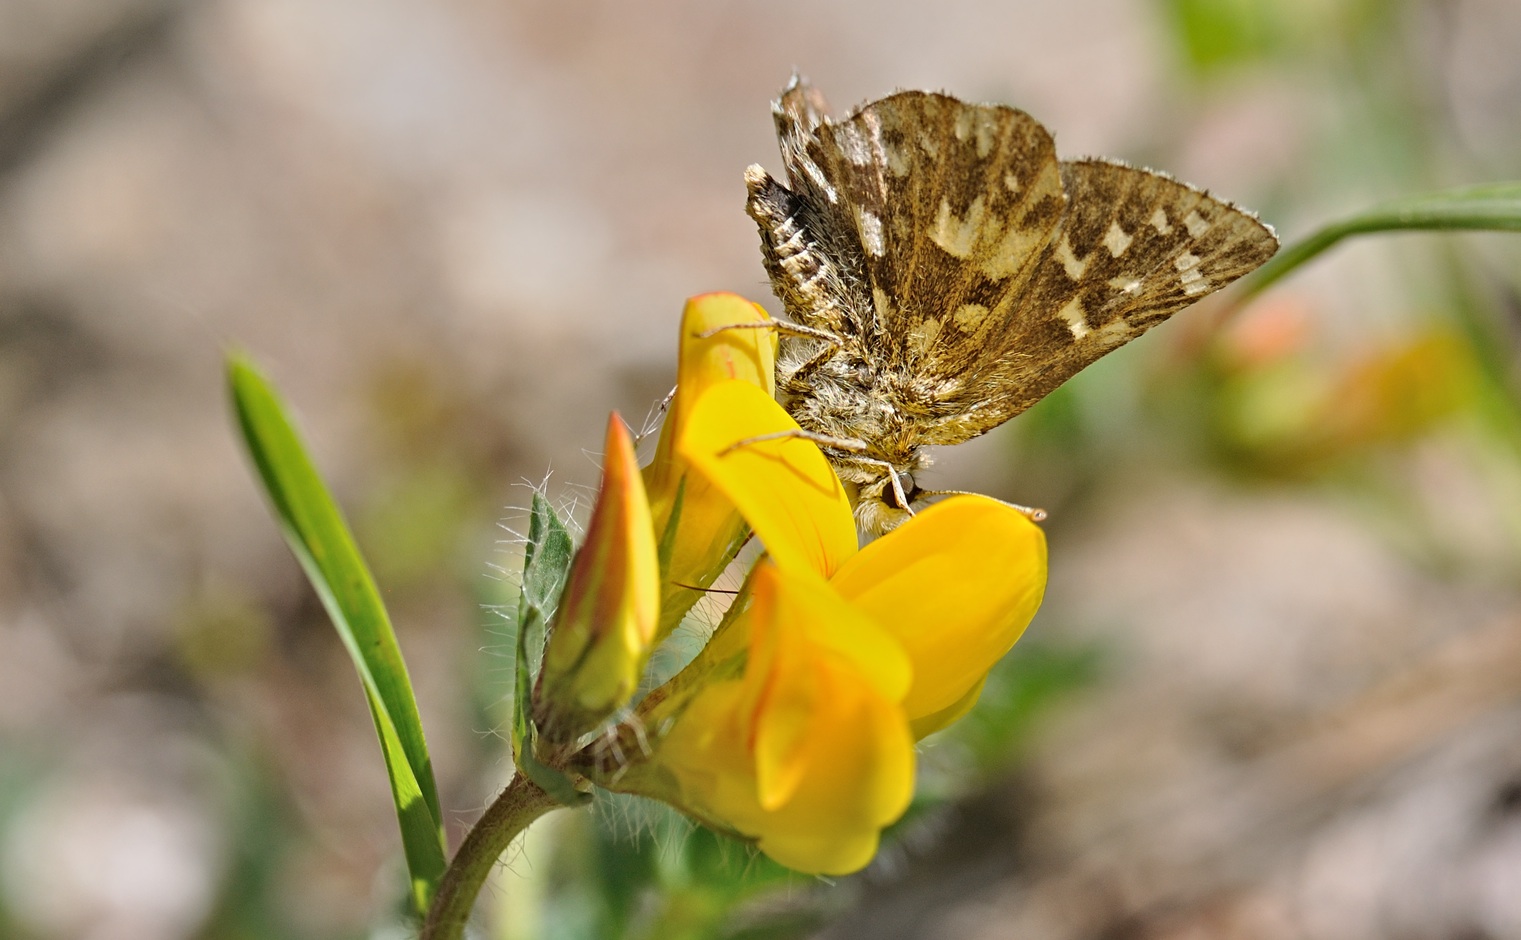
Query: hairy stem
point(519, 804)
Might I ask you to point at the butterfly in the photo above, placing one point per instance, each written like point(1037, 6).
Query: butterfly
point(942, 271)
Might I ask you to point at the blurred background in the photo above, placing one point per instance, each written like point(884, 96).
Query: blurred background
point(1275, 691)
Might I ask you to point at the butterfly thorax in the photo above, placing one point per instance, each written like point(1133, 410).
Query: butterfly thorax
point(879, 409)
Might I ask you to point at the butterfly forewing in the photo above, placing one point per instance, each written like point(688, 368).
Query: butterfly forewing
point(951, 204)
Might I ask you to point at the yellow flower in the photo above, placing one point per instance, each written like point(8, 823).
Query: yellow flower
point(605, 629)
point(851, 655)
point(698, 527)
point(808, 751)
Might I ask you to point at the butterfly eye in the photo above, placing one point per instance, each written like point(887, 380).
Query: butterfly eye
point(909, 487)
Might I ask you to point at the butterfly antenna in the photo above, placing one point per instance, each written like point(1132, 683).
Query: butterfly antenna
point(1029, 512)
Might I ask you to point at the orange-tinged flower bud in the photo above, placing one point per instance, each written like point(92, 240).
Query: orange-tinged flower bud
point(605, 628)
point(699, 528)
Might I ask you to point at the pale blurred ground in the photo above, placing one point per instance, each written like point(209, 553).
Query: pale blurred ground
point(458, 233)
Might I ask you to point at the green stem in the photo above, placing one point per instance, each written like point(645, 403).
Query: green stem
point(519, 804)
point(1492, 207)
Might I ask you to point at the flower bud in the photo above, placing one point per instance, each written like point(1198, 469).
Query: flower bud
point(602, 635)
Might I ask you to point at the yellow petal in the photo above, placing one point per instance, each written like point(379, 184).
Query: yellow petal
point(808, 752)
point(860, 777)
point(956, 585)
point(783, 486)
point(926, 725)
point(799, 624)
point(708, 529)
point(602, 636)
point(746, 355)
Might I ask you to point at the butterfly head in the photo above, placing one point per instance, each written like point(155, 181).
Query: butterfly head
point(884, 501)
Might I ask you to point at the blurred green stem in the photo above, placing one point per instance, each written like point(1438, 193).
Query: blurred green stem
point(519, 804)
point(1492, 207)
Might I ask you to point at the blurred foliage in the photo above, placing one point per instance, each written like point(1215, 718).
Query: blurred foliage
point(1213, 35)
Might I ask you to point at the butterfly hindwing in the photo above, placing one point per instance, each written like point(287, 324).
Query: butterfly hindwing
point(810, 249)
point(1134, 248)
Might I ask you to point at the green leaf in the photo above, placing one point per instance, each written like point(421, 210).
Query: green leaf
point(1492, 207)
point(315, 529)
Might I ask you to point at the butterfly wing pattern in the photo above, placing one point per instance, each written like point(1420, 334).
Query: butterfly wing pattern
point(961, 272)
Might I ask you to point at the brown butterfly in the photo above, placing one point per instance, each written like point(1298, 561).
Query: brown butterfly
point(943, 271)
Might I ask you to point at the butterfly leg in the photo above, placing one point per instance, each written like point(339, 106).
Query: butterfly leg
point(894, 479)
point(781, 326)
point(852, 447)
point(797, 381)
point(823, 440)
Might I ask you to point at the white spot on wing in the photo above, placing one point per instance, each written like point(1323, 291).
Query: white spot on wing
point(1071, 263)
point(1116, 240)
point(1011, 182)
point(1159, 221)
point(922, 336)
point(987, 133)
point(871, 232)
point(1077, 321)
point(1195, 224)
point(963, 126)
point(958, 236)
point(1125, 285)
point(817, 176)
point(1114, 333)
point(1189, 275)
point(854, 145)
point(1013, 252)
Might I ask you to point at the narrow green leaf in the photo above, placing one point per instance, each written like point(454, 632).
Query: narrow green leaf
point(1493, 207)
point(315, 529)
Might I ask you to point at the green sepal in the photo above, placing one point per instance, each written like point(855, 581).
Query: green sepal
point(668, 537)
point(546, 566)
